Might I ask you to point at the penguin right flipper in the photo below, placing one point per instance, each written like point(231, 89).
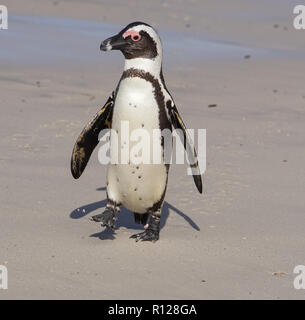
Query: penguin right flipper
point(88, 139)
point(178, 123)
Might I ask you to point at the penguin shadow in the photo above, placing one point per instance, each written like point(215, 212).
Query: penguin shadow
point(126, 218)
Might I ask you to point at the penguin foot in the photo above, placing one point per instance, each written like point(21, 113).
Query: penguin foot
point(147, 235)
point(107, 218)
point(151, 233)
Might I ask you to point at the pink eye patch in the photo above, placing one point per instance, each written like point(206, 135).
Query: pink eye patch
point(135, 36)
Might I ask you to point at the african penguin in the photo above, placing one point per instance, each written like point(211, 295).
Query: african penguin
point(142, 100)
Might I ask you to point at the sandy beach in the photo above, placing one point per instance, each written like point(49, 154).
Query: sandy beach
point(241, 238)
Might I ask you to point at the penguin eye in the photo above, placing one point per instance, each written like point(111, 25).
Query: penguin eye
point(135, 37)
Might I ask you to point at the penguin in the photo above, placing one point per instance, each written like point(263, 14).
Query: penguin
point(142, 99)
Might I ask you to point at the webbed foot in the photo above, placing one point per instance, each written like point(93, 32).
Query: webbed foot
point(152, 231)
point(107, 218)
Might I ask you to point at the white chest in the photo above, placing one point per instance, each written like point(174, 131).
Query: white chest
point(136, 186)
point(135, 102)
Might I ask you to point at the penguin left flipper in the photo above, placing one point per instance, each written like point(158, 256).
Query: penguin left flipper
point(88, 139)
point(178, 123)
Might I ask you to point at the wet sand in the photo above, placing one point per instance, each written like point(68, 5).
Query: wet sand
point(240, 239)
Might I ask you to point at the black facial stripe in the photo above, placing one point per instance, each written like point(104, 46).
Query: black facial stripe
point(152, 44)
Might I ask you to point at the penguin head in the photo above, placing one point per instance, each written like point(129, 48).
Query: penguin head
point(137, 40)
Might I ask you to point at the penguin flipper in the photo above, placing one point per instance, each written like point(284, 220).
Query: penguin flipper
point(178, 123)
point(88, 139)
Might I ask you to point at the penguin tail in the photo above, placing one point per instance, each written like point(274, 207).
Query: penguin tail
point(141, 218)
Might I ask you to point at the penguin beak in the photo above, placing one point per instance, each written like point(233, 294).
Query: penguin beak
point(116, 42)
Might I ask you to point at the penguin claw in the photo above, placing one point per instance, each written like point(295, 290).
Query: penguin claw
point(151, 232)
point(97, 218)
point(147, 235)
point(107, 218)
